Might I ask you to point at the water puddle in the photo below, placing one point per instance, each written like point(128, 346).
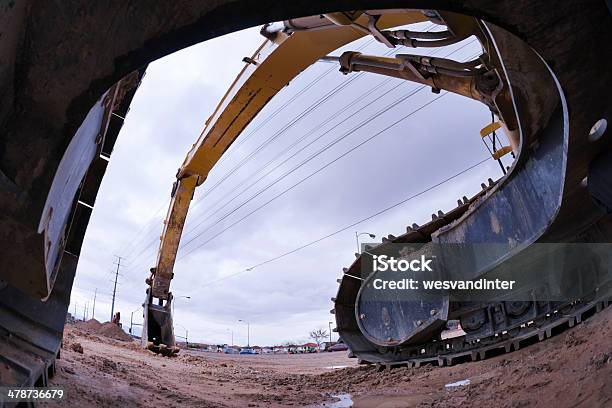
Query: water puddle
point(344, 401)
point(375, 401)
point(458, 384)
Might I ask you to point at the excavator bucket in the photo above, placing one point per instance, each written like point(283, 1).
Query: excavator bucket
point(158, 333)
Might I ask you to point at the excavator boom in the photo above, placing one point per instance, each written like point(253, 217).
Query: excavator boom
point(290, 48)
point(282, 56)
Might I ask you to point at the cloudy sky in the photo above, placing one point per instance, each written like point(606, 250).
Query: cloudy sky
point(236, 222)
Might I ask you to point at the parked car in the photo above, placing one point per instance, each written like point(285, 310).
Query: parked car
point(338, 347)
point(247, 350)
point(230, 350)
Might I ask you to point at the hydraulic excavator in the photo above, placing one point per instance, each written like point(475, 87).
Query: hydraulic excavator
point(66, 91)
point(542, 197)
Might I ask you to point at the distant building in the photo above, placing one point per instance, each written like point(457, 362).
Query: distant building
point(310, 348)
point(327, 344)
point(280, 349)
point(302, 348)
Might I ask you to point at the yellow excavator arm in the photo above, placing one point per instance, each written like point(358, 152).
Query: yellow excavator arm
point(291, 47)
point(275, 63)
point(161, 274)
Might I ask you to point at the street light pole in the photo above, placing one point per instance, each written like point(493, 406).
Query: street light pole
point(330, 340)
point(186, 335)
point(231, 331)
point(248, 331)
point(178, 297)
point(357, 235)
point(132, 320)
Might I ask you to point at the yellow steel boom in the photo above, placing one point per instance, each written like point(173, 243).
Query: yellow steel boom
point(276, 62)
point(284, 54)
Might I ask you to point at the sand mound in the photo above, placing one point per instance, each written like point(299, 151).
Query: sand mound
point(113, 331)
point(91, 325)
point(107, 329)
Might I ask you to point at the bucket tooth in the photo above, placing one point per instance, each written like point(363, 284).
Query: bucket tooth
point(459, 203)
point(345, 270)
point(491, 182)
point(440, 213)
point(415, 226)
point(434, 217)
point(483, 186)
point(465, 200)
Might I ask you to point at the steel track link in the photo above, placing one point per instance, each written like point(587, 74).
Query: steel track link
point(460, 350)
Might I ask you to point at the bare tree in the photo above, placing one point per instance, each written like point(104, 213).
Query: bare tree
point(319, 336)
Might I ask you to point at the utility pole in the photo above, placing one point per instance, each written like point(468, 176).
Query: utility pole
point(93, 311)
point(330, 331)
point(118, 263)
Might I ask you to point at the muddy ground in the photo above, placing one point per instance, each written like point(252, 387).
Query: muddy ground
point(573, 369)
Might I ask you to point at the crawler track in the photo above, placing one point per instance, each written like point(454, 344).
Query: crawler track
point(545, 319)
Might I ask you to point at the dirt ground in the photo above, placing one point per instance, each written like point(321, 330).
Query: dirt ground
point(573, 369)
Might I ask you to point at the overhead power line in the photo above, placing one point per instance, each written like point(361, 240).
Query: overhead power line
point(299, 93)
point(317, 103)
point(333, 92)
point(135, 243)
point(337, 140)
point(307, 134)
point(353, 224)
point(155, 238)
point(316, 172)
point(313, 156)
point(287, 103)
